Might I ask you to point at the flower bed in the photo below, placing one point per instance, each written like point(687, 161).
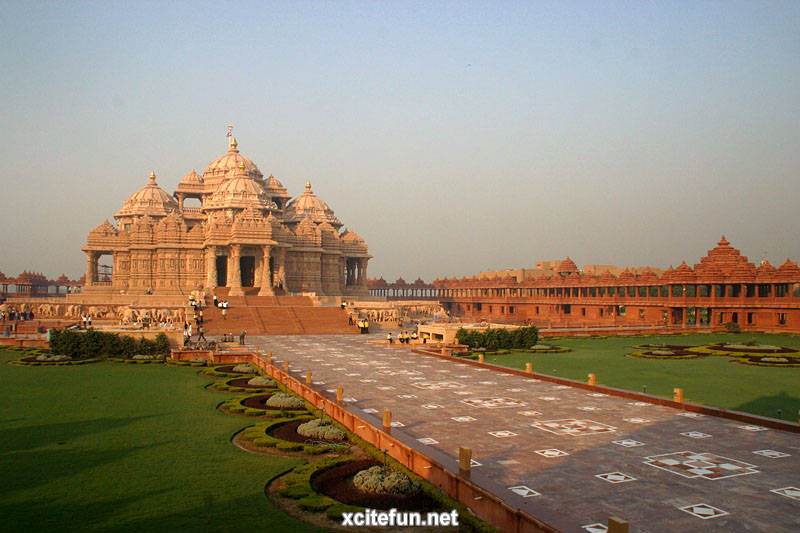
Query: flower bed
point(336, 483)
point(256, 405)
point(665, 354)
point(242, 384)
point(222, 371)
point(767, 360)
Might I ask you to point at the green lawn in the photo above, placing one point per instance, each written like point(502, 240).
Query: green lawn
point(711, 380)
point(114, 447)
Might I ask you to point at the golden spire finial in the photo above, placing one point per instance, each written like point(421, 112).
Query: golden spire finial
point(152, 177)
point(241, 165)
point(234, 144)
point(308, 186)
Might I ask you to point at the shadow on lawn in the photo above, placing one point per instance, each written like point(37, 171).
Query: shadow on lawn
point(46, 515)
point(33, 468)
point(769, 405)
point(26, 438)
point(210, 512)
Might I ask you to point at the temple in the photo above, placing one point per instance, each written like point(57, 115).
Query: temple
point(246, 234)
point(723, 288)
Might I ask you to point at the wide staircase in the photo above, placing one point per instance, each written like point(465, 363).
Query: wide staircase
point(273, 315)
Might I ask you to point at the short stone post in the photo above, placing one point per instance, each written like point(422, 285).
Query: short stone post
point(592, 380)
point(464, 459)
point(269, 358)
point(529, 368)
point(387, 420)
point(308, 378)
point(617, 525)
point(481, 358)
point(339, 394)
point(677, 395)
point(286, 366)
point(446, 351)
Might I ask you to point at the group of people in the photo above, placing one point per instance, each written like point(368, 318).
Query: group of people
point(86, 321)
point(222, 305)
point(403, 337)
point(187, 332)
point(12, 315)
point(363, 325)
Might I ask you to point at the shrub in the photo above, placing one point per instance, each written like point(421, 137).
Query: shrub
point(295, 492)
point(499, 338)
point(733, 327)
point(334, 512)
point(380, 480)
point(244, 368)
point(289, 446)
point(285, 401)
point(320, 429)
point(315, 503)
point(261, 381)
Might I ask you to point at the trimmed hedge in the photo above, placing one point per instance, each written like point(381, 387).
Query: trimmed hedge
point(92, 343)
point(499, 338)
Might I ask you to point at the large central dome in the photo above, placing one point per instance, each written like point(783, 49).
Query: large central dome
point(231, 161)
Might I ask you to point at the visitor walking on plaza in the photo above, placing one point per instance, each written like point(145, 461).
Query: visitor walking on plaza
point(366, 326)
point(241, 336)
point(200, 335)
point(190, 331)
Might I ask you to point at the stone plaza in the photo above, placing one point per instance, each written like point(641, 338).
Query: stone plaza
point(570, 457)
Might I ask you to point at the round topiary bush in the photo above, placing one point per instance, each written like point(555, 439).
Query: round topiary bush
point(380, 480)
point(285, 401)
point(52, 358)
point(320, 429)
point(260, 381)
point(244, 369)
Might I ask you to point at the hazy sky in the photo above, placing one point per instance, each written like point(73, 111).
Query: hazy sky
point(453, 137)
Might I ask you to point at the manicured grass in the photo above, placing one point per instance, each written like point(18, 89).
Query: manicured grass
point(112, 447)
point(712, 380)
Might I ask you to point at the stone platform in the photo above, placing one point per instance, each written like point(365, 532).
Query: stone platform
point(567, 456)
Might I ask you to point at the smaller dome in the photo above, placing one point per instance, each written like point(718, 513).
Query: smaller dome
point(192, 178)
point(150, 200)
point(310, 205)
point(567, 266)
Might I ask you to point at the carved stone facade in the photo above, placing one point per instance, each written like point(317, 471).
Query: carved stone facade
point(245, 233)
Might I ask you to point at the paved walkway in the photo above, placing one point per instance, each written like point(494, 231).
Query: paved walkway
point(565, 455)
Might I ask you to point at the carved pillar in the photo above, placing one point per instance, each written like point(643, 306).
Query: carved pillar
point(235, 271)
point(181, 197)
point(211, 267)
point(91, 268)
point(282, 268)
point(266, 278)
point(362, 271)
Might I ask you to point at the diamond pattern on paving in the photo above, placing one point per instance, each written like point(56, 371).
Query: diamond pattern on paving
point(402, 372)
point(703, 510)
point(463, 418)
point(628, 443)
point(615, 477)
point(696, 434)
point(428, 440)
point(503, 434)
point(552, 452)
point(548, 398)
point(370, 410)
point(705, 465)
point(589, 408)
point(789, 492)
point(529, 413)
point(522, 490)
point(772, 454)
point(431, 406)
point(398, 425)
point(437, 385)
point(752, 428)
point(494, 403)
point(637, 420)
point(595, 528)
point(573, 427)
point(691, 415)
